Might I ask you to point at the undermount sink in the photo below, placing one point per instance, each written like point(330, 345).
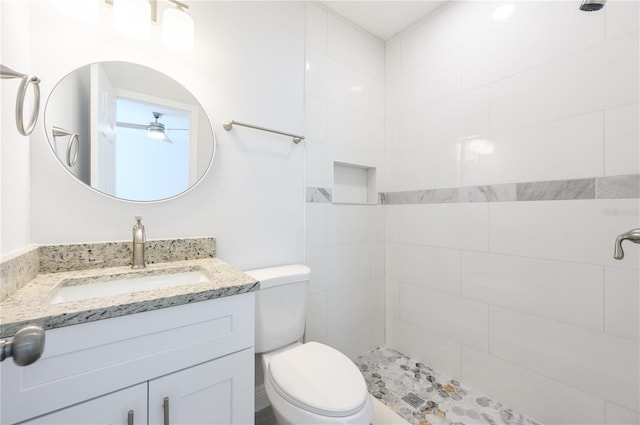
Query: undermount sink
point(106, 286)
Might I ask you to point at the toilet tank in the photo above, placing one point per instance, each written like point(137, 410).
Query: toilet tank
point(280, 305)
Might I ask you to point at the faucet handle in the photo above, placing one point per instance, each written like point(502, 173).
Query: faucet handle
point(632, 235)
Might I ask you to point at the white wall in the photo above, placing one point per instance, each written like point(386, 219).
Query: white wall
point(247, 65)
point(14, 148)
point(521, 300)
point(344, 243)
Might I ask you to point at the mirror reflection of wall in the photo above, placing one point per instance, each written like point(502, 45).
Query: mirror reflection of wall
point(143, 137)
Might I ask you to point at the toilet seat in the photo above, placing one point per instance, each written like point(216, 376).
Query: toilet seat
point(318, 379)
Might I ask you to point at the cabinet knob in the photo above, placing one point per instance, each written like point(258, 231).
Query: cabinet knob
point(26, 346)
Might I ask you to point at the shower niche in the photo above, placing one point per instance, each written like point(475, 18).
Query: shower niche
point(354, 184)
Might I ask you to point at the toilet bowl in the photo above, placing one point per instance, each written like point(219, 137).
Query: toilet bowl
point(308, 383)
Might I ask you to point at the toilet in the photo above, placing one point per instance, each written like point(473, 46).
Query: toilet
point(308, 383)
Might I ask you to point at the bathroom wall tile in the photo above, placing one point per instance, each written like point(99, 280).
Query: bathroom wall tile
point(377, 100)
point(427, 168)
point(447, 30)
point(453, 119)
point(376, 331)
point(349, 224)
point(350, 128)
point(618, 187)
point(316, 224)
point(392, 298)
point(559, 229)
point(556, 190)
point(393, 90)
point(351, 341)
point(318, 195)
point(338, 266)
point(540, 95)
point(377, 257)
point(332, 80)
point(541, 152)
point(391, 223)
point(607, 366)
point(347, 306)
point(622, 302)
point(492, 193)
point(438, 196)
point(458, 226)
point(316, 322)
point(540, 287)
point(510, 48)
point(353, 47)
point(433, 268)
point(315, 123)
point(431, 82)
point(316, 34)
point(393, 59)
point(622, 140)
point(462, 320)
point(428, 347)
point(545, 400)
point(617, 415)
point(318, 165)
point(621, 18)
point(392, 136)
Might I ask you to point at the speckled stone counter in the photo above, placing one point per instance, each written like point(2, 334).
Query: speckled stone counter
point(30, 304)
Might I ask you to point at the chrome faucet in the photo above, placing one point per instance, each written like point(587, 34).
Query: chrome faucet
point(139, 238)
point(632, 235)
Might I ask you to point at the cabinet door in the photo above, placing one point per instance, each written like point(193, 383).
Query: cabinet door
point(110, 409)
point(216, 392)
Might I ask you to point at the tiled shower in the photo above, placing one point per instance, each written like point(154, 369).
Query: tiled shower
point(508, 160)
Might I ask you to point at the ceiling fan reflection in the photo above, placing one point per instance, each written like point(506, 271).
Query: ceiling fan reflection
point(155, 130)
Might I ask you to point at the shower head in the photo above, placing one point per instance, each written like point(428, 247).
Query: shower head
point(592, 5)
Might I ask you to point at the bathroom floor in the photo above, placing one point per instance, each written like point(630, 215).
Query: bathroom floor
point(423, 396)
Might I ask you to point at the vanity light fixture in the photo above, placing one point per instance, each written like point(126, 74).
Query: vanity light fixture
point(134, 17)
point(177, 27)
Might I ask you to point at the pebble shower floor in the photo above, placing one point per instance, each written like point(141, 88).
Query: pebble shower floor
point(422, 396)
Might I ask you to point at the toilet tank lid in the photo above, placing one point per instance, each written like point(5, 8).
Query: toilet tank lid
point(281, 275)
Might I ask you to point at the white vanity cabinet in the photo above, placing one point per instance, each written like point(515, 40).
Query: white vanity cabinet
point(198, 356)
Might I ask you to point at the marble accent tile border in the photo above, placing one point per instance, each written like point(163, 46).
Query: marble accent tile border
point(322, 195)
point(58, 258)
point(610, 187)
point(17, 271)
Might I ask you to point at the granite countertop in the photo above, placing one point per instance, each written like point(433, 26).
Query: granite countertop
point(30, 304)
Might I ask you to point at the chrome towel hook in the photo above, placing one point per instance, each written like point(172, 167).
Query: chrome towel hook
point(74, 140)
point(27, 80)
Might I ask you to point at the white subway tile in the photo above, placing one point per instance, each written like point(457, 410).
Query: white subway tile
point(315, 122)
point(568, 292)
point(453, 119)
point(392, 136)
point(622, 302)
point(426, 168)
point(622, 140)
point(377, 101)
point(392, 223)
point(316, 34)
point(316, 324)
point(436, 351)
point(392, 298)
point(338, 266)
point(318, 164)
point(593, 362)
point(544, 400)
point(577, 231)
point(542, 152)
point(393, 90)
point(462, 320)
point(332, 80)
point(622, 17)
point(519, 44)
point(433, 268)
point(355, 224)
point(377, 256)
point(458, 226)
point(393, 59)
point(617, 415)
point(348, 307)
point(352, 129)
point(563, 89)
point(354, 48)
point(351, 341)
point(376, 331)
point(316, 224)
point(447, 30)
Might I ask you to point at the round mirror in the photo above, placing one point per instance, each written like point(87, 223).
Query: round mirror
point(129, 131)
